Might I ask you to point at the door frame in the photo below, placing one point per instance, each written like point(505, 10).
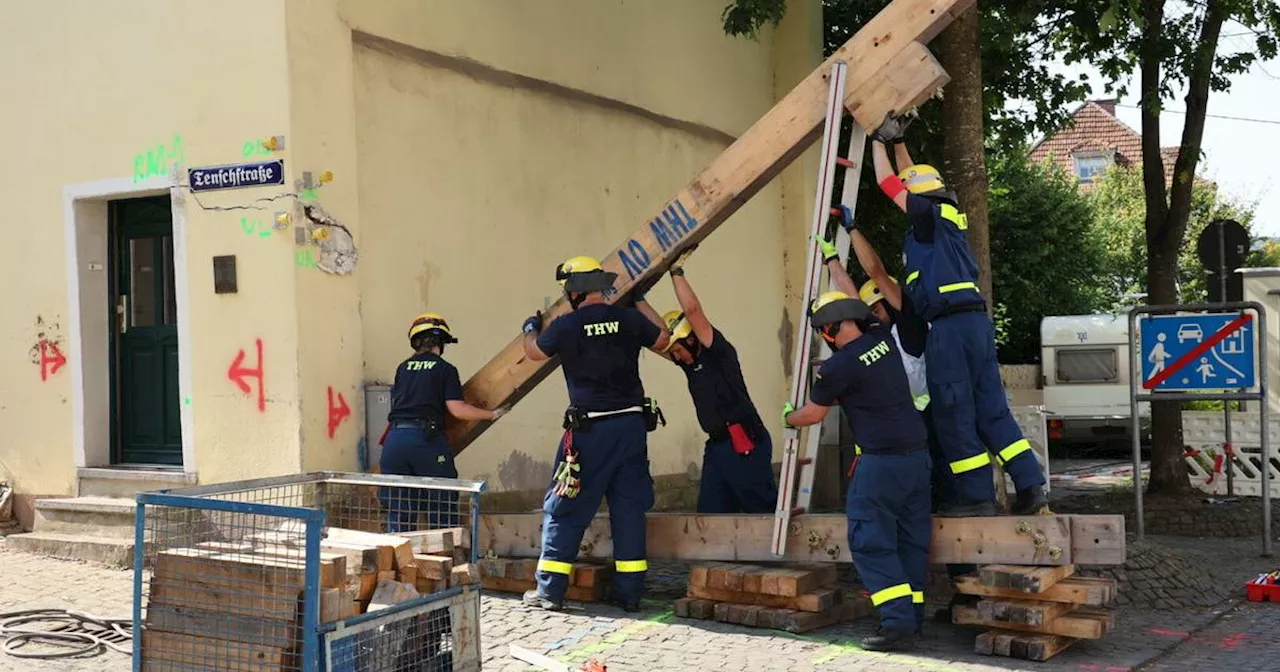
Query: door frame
point(87, 240)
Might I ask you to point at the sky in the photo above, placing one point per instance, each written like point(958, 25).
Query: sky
point(1243, 157)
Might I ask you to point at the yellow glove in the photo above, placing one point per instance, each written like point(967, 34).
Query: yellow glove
point(828, 249)
point(787, 409)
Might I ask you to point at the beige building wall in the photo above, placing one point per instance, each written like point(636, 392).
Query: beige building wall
point(93, 88)
point(474, 145)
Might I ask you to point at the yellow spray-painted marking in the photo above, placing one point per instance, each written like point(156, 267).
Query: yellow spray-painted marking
point(618, 638)
point(833, 650)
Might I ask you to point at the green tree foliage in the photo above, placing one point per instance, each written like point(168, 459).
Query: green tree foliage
point(1120, 227)
point(1046, 262)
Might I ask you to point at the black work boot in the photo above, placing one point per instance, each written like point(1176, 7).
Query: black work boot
point(1029, 502)
point(889, 639)
point(533, 599)
point(947, 613)
point(625, 605)
point(967, 509)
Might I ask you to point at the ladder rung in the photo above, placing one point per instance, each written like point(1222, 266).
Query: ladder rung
point(843, 162)
point(805, 461)
point(797, 510)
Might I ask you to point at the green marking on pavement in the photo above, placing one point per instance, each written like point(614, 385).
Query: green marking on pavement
point(838, 648)
point(618, 637)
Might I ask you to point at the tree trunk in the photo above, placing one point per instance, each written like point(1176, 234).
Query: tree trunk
point(964, 164)
point(1168, 209)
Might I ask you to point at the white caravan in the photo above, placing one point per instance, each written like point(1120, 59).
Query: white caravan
point(1085, 373)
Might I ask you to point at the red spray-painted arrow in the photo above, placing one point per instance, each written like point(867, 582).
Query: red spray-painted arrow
point(337, 414)
point(238, 373)
point(51, 359)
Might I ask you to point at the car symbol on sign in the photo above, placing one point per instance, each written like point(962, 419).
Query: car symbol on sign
point(1190, 332)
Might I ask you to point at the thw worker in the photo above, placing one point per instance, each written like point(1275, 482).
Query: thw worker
point(426, 387)
point(888, 499)
point(604, 452)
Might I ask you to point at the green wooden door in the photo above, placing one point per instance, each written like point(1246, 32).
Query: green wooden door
point(146, 428)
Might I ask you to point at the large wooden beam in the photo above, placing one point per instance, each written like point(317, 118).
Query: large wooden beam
point(888, 70)
point(1030, 540)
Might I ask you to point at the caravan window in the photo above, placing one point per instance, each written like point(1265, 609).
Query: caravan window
point(1092, 365)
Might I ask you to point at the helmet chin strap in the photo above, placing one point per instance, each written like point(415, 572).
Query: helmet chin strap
point(829, 335)
point(575, 298)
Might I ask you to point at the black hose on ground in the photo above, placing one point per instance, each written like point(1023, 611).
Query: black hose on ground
point(68, 633)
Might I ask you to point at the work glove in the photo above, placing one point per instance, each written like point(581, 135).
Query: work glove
point(892, 129)
point(677, 266)
point(787, 409)
point(828, 248)
point(846, 217)
point(533, 325)
point(567, 479)
point(500, 411)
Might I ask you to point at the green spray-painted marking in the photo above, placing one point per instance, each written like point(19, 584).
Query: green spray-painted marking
point(255, 226)
point(307, 194)
point(304, 259)
point(158, 160)
point(186, 401)
point(618, 638)
point(254, 148)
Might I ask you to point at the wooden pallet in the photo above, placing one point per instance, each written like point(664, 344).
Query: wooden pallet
point(1035, 612)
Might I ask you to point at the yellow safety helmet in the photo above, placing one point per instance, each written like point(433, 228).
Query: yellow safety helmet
point(586, 273)
point(431, 322)
point(834, 307)
point(921, 178)
point(870, 292)
point(678, 325)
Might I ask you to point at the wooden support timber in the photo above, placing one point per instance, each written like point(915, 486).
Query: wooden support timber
point(889, 70)
point(1029, 540)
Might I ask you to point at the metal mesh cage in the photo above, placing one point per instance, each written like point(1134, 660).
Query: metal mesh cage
point(317, 571)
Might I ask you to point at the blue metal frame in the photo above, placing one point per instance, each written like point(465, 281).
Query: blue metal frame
point(139, 538)
point(205, 498)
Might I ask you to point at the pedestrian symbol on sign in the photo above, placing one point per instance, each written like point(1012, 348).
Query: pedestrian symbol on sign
point(1205, 370)
point(1158, 356)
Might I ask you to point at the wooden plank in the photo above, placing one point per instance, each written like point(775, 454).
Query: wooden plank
point(1026, 612)
point(1024, 579)
point(1097, 540)
point(427, 586)
point(434, 567)
point(576, 593)
point(797, 581)
point(331, 608)
point(266, 629)
point(464, 575)
point(202, 651)
point(587, 576)
point(1074, 590)
point(741, 170)
point(812, 538)
point(368, 584)
point(238, 568)
point(1076, 624)
point(819, 600)
point(360, 557)
point(390, 593)
point(1021, 645)
point(403, 555)
point(431, 542)
point(407, 575)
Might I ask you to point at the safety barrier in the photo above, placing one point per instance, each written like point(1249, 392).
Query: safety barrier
point(1206, 454)
point(274, 574)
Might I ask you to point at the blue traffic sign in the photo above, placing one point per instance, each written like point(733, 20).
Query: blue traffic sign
point(236, 176)
point(1204, 351)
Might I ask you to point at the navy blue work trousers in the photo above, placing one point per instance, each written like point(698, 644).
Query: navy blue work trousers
point(412, 451)
point(733, 483)
point(614, 456)
point(970, 412)
point(889, 525)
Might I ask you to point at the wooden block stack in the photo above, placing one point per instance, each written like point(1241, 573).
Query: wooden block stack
point(588, 582)
point(240, 605)
point(1037, 611)
point(794, 599)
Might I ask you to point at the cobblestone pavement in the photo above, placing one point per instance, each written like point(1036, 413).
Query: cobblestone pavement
point(1162, 640)
point(1245, 639)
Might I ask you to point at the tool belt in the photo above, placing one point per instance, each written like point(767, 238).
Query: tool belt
point(576, 419)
